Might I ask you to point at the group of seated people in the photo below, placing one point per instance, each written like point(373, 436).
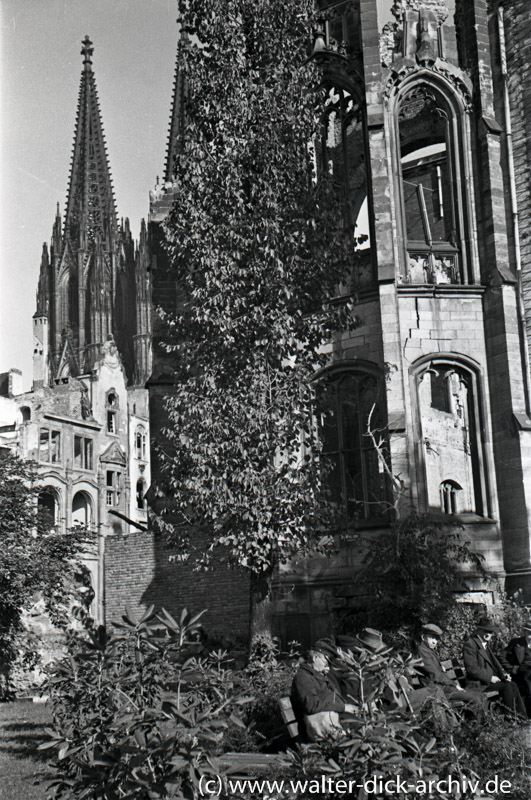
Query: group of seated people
point(320, 694)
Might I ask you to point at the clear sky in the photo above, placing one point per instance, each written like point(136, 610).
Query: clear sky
point(40, 67)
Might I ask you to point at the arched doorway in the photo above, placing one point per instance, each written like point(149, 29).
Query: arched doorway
point(81, 509)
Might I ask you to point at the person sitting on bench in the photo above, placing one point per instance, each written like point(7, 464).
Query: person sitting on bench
point(485, 671)
point(473, 701)
point(517, 661)
point(316, 698)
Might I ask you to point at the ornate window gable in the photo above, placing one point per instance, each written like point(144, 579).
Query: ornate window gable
point(114, 455)
point(433, 178)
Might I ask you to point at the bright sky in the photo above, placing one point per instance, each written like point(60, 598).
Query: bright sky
point(134, 59)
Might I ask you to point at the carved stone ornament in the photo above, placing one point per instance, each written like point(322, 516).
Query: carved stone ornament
point(460, 82)
point(439, 7)
point(110, 353)
point(114, 455)
point(390, 38)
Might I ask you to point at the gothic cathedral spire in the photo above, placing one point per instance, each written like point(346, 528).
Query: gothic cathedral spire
point(87, 258)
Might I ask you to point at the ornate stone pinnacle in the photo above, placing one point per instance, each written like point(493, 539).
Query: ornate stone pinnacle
point(87, 50)
point(440, 8)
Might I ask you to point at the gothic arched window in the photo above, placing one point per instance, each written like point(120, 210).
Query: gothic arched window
point(432, 188)
point(340, 154)
point(112, 412)
point(449, 441)
point(349, 408)
point(140, 443)
point(449, 497)
point(81, 509)
point(48, 506)
point(140, 492)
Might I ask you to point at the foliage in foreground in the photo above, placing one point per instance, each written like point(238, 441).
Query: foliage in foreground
point(138, 715)
point(35, 558)
point(141, 716)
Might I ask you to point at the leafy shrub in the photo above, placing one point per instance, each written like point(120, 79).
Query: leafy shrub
point(137, 714)
point(383, 738)
point(267, 677)
point(499, 747)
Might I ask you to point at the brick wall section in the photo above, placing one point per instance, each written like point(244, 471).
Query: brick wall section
point(139, 572)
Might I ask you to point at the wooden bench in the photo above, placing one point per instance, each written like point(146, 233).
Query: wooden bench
point(456, 673)
point(288, 715)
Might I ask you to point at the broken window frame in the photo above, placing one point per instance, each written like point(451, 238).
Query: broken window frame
point(343, 101)
point(49, 446)
point(431, 261)
point(470, 374)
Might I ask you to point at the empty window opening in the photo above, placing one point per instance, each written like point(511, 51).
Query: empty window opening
point(355, 477)
point(140, 443)
point(82, 452)
point(451, 441)
point(113, 487)
point(81, 509)
point(48, 507)
point(449, 496)
point(49, 446)
point(140, 492)
point(429, 194)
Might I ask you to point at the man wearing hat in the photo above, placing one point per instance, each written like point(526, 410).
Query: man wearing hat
point(316, 697)
point(372, 640)
point(517, 661)
point(485, 671)
point(474, 701)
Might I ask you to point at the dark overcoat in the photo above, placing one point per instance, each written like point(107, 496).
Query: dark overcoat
point(313, 691)
point(480, 663)
point(432, 667)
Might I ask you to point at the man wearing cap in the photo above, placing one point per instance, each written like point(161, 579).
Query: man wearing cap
point(517, 661)
point(485, 671)
point(316, 697)
point(474, 701)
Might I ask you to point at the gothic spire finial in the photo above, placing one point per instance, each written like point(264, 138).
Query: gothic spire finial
point(176, 132)
point(86, 52)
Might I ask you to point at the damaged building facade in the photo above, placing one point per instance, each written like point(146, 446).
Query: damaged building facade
point(86, 422)
point(426, 128)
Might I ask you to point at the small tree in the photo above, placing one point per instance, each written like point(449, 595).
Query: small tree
point(414, 569)
point(258, 246)
point(34, 558)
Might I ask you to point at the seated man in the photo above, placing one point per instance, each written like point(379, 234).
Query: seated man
point(316, 698)
point(517, 661)
point(484, 670)
point(473, 701)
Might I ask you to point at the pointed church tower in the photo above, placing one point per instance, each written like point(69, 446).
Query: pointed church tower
point(40, 323)
point(163, 288)
point(86, 254)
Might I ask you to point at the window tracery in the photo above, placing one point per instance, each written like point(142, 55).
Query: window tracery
point(433, 207)
point(349, 404)
point(450, 439)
